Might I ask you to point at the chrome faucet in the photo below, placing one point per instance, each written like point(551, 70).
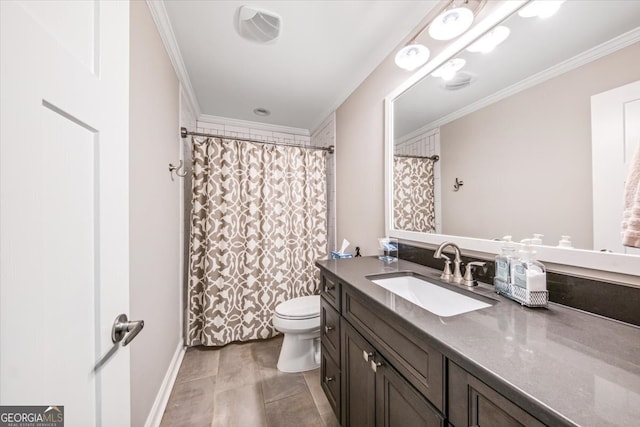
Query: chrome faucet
point(446, 274)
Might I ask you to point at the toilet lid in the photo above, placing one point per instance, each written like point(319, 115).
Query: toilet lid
point(299, 308)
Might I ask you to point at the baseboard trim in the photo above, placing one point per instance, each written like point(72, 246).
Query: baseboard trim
point(162, 398)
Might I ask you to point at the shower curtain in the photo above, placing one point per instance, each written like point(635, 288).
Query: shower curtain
point(259, 222)
point(413, 194)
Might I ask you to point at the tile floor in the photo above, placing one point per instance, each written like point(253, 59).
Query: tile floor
point(239, 385)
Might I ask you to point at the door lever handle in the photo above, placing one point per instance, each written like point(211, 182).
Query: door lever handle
point(123, 327)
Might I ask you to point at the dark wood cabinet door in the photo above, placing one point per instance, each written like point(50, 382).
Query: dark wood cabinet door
point(358, 380)
point(330, 329)
point(399, 404)
point(414, 358)
point(473, 403)
point(330, 380)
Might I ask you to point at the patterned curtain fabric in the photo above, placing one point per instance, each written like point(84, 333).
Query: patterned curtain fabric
point(413, 194)
point(259, 222)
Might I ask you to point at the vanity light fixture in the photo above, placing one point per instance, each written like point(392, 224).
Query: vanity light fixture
point(448, 70)
point(489, 41)
point(540, 8)
point(451, 23)
point(412, 56)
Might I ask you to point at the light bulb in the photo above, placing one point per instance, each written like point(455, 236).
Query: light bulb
point(451, 23)
point(412, 56)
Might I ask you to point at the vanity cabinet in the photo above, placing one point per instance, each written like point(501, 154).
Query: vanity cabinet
point(413, 357)
point(330, 372)
point(377, 371)
point(473, 403)
point(374, 393)
point(372, 371)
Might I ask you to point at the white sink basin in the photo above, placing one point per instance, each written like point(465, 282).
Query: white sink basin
point(436, 299)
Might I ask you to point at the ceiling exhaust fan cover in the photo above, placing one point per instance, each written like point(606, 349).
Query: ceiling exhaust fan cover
point(258, 25)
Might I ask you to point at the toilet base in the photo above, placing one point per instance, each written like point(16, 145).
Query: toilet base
point(299, 353)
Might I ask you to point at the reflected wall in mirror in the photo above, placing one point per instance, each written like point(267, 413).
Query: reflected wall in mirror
point(514, 126)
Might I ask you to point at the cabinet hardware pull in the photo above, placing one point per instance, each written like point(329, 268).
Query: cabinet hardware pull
point(330, 287)
point(375, 365)
point(329, 379)
point(367, 355)
point(328, 328)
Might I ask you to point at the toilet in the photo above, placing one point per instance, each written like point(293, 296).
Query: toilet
point(299, 320)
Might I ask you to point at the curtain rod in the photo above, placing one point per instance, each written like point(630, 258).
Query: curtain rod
point(435, 158)
point(184, 133)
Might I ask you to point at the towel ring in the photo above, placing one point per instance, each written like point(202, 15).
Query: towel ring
point(176, 169)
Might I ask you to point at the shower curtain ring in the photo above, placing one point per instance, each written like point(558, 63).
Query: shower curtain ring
point(176, 169)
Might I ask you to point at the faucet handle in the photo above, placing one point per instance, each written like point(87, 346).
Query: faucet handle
point(468, 279)
point(446, 272)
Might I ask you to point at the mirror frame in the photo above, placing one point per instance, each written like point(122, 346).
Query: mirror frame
point(610, 262)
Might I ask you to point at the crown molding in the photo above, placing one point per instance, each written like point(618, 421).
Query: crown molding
point(579, 60)
point(252, 125)
point(161, 19)
point(416, 133)
point(331, 118)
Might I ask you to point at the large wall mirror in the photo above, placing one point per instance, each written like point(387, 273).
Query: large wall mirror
point(533, 137)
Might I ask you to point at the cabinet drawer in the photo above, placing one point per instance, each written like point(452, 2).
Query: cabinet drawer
point(330, 329)
point(330, 380)
point(331, 290)
point(416, 360)
point(473, 403)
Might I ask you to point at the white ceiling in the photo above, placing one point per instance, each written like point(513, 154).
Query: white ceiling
point(324, 51)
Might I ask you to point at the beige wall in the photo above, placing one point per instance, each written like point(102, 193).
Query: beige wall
point(360, 155)
point(154, 212)
point(360, 161)
point(526, 160)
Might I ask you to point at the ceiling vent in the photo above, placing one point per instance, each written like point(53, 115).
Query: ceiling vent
point(257, 25)
point(461, 80)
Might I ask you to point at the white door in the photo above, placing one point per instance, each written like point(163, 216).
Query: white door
point(64, 207)
point(615, 133)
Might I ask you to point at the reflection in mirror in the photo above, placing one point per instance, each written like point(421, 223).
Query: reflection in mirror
point(413, 196)
point(515, 126)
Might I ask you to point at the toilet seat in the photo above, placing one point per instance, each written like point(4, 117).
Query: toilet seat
point(300, 308)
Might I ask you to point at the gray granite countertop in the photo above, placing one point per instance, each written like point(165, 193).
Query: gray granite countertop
point(564, 366)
